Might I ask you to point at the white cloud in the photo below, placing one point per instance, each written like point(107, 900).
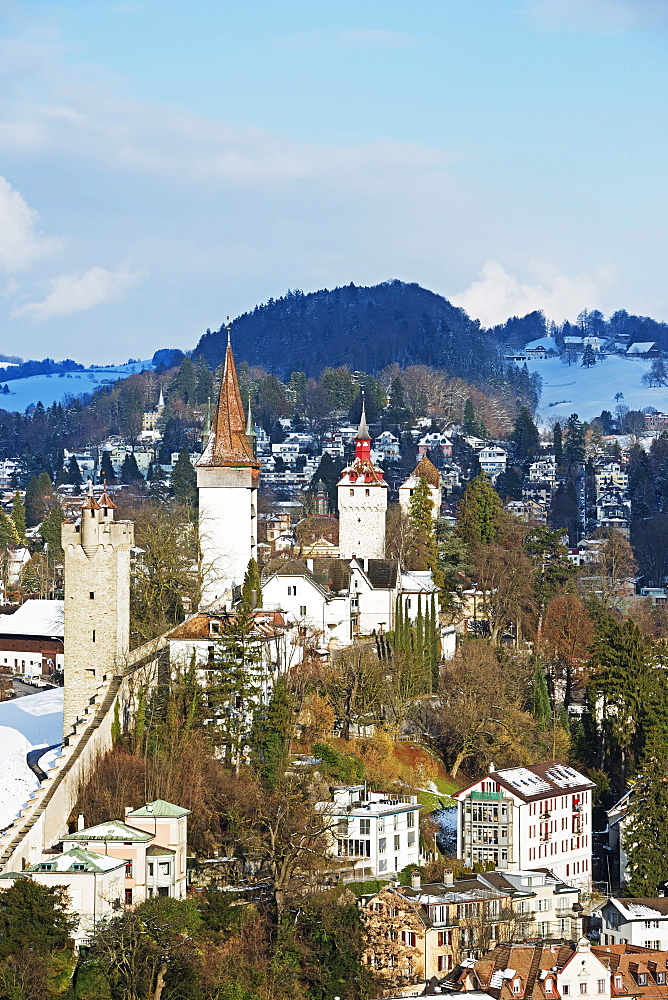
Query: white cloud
point(20, 243)
point(497, 294)
point(74, 293)
point(600, 15)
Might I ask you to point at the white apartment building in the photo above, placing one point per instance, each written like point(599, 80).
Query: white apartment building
point(543, 470)
point(529, 817)
point(377, 833)
point(492, 459)
point(641, 922)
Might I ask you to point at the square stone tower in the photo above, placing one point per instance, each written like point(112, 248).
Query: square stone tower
point(227, 480)
point(97, 601)
point(362, 495)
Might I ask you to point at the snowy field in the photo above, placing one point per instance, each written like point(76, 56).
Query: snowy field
point(25, 724)
point(587, 391)
point(49, 389)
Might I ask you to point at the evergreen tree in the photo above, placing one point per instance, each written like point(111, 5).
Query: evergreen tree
point(50, 530)
point(557, 439)
point(540, 699)
point(74, 477)
point(434, 643)
point(19, 516)
point(107, 474)
point(297, 382)
point(184, 479)
point(203, 381)
point(33, 918)
point(481, 513)
point(274, 735)
point(645, 838)
point(469, 425)
point(575, 442)
point(38, 492)
point(525, 436)
point(184, 383)
point(8, 532)
point(251, 593)
point(130, 474)
point(420, 515)
point(588, 357)
point(420, 645)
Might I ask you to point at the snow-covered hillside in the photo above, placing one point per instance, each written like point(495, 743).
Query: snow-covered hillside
point(587, 391)
point(49, 389)
point(25, 724)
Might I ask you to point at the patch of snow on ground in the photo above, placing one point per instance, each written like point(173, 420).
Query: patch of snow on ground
point(25, 724)
point(49, 389)
point(587, 391)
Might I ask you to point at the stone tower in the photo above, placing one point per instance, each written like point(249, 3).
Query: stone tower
point(227, 480)
point(97, 601)
point(362, 494)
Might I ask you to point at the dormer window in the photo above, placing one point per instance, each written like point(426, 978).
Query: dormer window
point(642, 979)
point(548, 987)
point(517, 986)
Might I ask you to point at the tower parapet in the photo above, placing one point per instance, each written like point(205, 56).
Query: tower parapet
point(362, 495)
point(97, 601)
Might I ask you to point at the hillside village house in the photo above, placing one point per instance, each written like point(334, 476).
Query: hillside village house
point(641, 922)
point(31, 639)
point(94, 883)
point(423, 470)
point(377, 833)
point(152, 843)
point(493, 459)
point(529, 817)
point(540, 971)
point(427, 930)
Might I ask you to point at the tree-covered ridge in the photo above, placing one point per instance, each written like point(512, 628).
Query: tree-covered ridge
point(363, 328)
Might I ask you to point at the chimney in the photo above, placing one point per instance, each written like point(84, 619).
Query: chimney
point(491, 767)
point(448, 877)
point(80, 822)
point(416, 881)
point(309, 564)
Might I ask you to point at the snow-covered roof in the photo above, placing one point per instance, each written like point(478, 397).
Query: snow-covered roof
point(641, 348)
point(546, 342)
point(78, 861)
point(45, 618)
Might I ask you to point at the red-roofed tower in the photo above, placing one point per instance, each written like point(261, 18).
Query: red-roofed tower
point(362, 494)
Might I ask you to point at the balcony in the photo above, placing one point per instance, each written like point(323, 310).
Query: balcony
point(545, 815)
point(577, 808)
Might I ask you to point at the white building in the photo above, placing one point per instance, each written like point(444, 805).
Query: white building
point(227, 481)
point(543, 470)
point(492, 459)
point(94, 883)
point(529, 817)
point(31, 639)
point(386, 446)
point(376, 832)
point(362, 494)
point(641, 922)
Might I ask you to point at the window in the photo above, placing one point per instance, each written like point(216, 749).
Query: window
point(93, 635)
point(128, 870)
point(517, 985)
point(163, 890)
point(352, 493)
point(661, 977)
point(642, 979)
point(163, 868)
point(618, 982)
point(544, 904)
point(367, 493)
point(548, 986)
point(444, 963)
point(382, 845)
point(395, 819)
point(410, 819)
point(150, 869)
point(302, 610)
point(601, 985)
point(583, 989)
point(444, 939)
point(292, 591)
point(565, 989)
point(365, 826)
point(128, 897)
point(92, 595)
point(397, 842)
point(411, 840)
point(408, 937)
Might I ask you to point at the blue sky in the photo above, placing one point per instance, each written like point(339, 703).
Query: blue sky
point(165, 164)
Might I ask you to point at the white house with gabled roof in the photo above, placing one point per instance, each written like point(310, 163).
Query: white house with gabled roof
point(640, 922)
point(529, 817)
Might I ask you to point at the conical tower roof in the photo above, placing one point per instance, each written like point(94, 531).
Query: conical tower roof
point(363, 430)
point(228, 445)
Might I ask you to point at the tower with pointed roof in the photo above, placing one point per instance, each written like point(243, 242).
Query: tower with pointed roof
point(362, 495)
point(227, 481)
point(97, 601)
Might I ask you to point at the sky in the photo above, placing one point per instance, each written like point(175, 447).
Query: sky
point(165, 164)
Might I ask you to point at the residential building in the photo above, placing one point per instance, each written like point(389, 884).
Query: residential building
point(529, 817)
point(655, 423)
point(641, 922)
point(544, 906)
point(541, 971)
point(31, 639)
point(644, 349)
point(386, 447)
point(613, 510)
point(375, 833)
point(435, 440)
point(427, 471)
point(538, 491)
point(152, 847)
point(227, 481)
point(610, 474)
point(543, 470)
point(94, 883)
point(528, 510)
point(362, 494)
point(635, 972)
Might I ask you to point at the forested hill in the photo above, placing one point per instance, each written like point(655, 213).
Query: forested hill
point(363, 328)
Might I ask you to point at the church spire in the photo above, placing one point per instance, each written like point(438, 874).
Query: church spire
point(228, 445)
point(363, 438)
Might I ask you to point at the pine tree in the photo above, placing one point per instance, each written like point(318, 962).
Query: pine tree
point(420, 511)
point(184, 479)
point(469, 425)
point(525, 436)
point(19, 516)
point(645, 838)
point(480, 512)
point(51, 531)
point(185, 382)
point(251, 593)
point(107, 474)
point(74, 477)
point(38, 491)
point(588, 357)
point(130, 474)
point(557, 439)
point(435, 643)
point(273, 735)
